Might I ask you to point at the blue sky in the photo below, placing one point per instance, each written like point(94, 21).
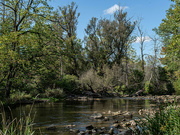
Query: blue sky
point(152, 12)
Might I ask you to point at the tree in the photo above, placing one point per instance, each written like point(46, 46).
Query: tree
point(142, 39)
point(66, 18)
point(21, 33)
point(169, 31)
point(97, 54)
point(121, 33)
point(110, 38)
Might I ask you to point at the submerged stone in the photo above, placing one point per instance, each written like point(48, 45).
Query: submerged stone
point(96, 116)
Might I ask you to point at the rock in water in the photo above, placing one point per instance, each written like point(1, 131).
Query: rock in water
point(90, 127)
point(74, 131)
point(97, 116)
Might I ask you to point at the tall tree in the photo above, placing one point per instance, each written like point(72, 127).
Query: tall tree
point(20, 38)
point(142, 38)
point(169, 31)
point(108, 39)
point(117, 33)
point(97, 54)
point(67, 19)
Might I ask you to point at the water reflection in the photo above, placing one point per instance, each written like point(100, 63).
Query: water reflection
point(77, 113)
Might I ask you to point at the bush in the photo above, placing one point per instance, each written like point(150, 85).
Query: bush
point(34, 92)
point(148, 88)
point(164, 122)
point(16, 96)
point(120, 89)
point(157, 82)
point(135, 81)
point(177, 86)
point(54, 93)
point(123, 88)
point(91, 81)
point(69, 83)
point(117, 88)
point(170, 88)
point(112, 80)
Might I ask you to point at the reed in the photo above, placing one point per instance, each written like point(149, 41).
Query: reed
point(16, 126)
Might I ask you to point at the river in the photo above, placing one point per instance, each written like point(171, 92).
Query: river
point(77, 114)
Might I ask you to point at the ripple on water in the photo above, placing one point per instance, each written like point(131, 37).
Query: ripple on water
point(77, 113)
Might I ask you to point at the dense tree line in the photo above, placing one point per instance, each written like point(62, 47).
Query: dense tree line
point(41, 53)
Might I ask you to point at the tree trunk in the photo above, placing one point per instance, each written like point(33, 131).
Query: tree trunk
point(8, 89)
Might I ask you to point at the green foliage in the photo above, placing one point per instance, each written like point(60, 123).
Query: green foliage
point(170, 88)
point(168, 30)
point(123, 88)
point(135, 79)
point(93, 82)
point(66, 19)
point(54, 93)
point(40, 52)
point(120, 89)
point(177, 86)
point(111, 81)
point(34, 92)
point(18, 96)
point(47, 79)
point(69, 83)
point(117, 88)
point(21, 34)
point(108, 41)
point(165, 122)
point(157, 82)
point(148, 87)
point(90, 80)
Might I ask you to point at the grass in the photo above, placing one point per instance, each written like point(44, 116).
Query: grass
point(15, 126)
point(166, 121)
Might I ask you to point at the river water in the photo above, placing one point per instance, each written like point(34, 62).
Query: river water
point(77, 113)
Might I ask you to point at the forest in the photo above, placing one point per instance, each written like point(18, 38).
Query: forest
point(41, 55)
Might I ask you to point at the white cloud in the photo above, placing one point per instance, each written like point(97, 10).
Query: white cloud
point(146, 38)
point(114, 8)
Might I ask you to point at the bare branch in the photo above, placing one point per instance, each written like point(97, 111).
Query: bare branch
point(7, 6)
point(28, 8)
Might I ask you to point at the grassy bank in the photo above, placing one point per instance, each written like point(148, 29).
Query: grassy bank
point(166, 121)
point(18, 97)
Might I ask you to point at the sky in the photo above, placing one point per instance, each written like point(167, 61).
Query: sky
point(151, 11)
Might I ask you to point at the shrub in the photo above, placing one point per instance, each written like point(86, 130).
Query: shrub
point(120, 89)
point(91, 81)
point(69, 83)
point(135, 81)
point(117, 88)
point(34, 92)
point(170, 88)
point(148, 87)
point(17, 95)
point(166, 121)
point(55, 93)
point(123, 88)
point(177, 86)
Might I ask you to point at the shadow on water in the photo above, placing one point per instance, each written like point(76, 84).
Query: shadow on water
point(76, 114)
